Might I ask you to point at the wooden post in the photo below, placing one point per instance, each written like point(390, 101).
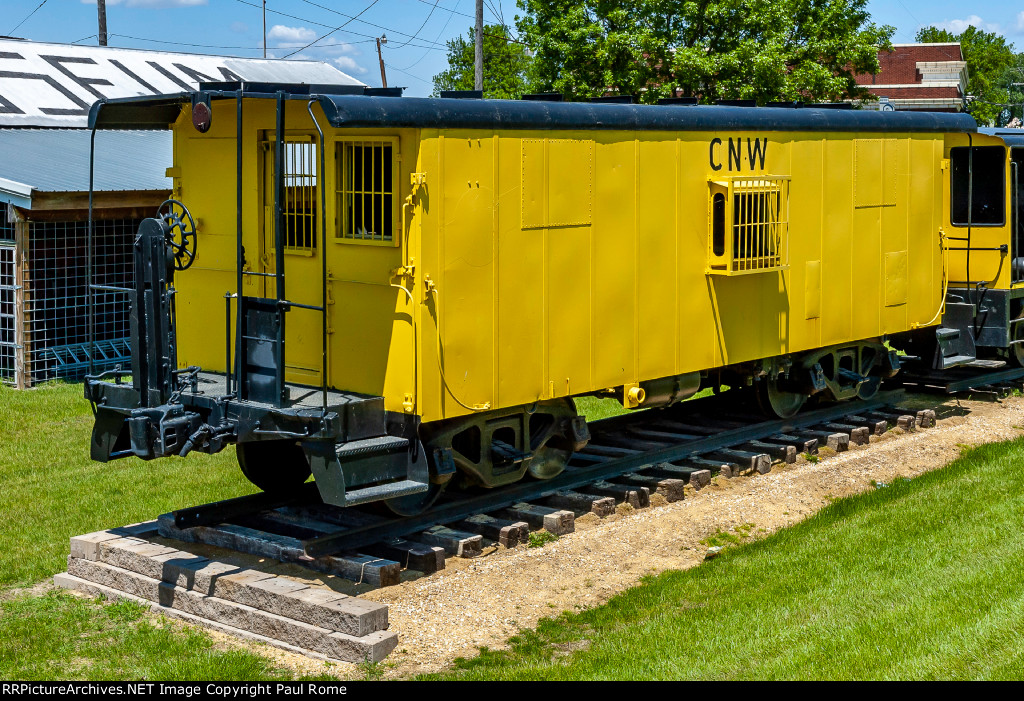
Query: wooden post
point(21, 318)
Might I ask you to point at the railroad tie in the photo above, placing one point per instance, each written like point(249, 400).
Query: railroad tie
point(695, 476)
point(747, 460)
point(581, 504)
point(838, 442)
point(802, 445)
point(554, 521)
point(875, 426)
point(457, 543)
point(637, 497)
point(413, 556)
point(859, 435)
point(782, 453)
point(670, 488)
point(503, 531)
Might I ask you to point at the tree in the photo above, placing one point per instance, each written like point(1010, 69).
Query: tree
point(506, 65)
point(764, 50)
point(989, 62)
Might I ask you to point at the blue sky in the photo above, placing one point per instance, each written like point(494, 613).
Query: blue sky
point(416, 29)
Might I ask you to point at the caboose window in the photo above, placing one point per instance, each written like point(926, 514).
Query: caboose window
point(366, 187)
point(978, 192)
point(758, 211)
point(300, 197)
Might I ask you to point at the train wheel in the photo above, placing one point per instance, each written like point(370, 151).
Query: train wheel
point(869, 388)
point(548, 461)
point(273, 466)
point(1017, 334)
point(778, 402)
point(415, 504)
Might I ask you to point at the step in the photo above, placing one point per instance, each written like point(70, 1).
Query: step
point(956, 360)
point(371, 446)
point(378, 492)
point(98, 578)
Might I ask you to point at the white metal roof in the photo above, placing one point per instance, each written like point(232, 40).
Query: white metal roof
point(57, 160)
point(44, 85)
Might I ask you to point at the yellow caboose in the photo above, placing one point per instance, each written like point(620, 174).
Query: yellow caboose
point(425, 284)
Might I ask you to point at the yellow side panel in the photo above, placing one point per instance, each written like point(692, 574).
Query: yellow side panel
point(812, 289)
point(837, 262)
point(520, 289)
point(657, 244)
point(534, 183)
point(874, 173)
point(570, 174)
point(895, 278)
point(568, 325)
point(614, 263)
point(467, 292)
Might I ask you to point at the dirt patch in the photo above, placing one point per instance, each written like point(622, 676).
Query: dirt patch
point(487, 600)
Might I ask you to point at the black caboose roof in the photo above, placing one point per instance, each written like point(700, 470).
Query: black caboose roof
point(349, 106)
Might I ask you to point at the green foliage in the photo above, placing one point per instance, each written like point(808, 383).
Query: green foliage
point(506, 65)
point(764, 50)
point(60, 636)
point(990, 68)
point(538, 539)
point(916, 580)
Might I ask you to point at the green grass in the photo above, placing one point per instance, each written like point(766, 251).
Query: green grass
point(52, 490)
point(919, 579)
point(60, 636)
point(595, 408)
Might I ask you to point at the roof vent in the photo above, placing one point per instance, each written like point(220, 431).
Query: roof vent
point(678, 101)
point(786, 105)
point(543, 97)
point(383, 92)
point(832, 105)
point(463, 94)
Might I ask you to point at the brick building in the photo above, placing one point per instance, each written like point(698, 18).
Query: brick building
point(930, 77)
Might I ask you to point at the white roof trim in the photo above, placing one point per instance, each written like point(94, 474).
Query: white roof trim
point(18, 194)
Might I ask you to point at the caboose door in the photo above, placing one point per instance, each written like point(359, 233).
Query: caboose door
point(302, 270)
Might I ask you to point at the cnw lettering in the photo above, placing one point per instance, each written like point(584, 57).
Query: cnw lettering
point(755, 153)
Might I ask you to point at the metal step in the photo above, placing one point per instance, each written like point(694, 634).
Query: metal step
point(956, 360)
point(384, 491)
point(369, 447)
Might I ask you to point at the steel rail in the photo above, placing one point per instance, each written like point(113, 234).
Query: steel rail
point(360, 536)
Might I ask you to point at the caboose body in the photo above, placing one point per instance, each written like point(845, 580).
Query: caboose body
point(483, 262)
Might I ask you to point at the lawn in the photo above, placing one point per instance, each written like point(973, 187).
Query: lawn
point(920, 579)
point(52, 490)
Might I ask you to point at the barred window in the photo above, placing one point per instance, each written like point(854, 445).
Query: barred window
point(760, 225)
point(300, 197)
point(366, 189)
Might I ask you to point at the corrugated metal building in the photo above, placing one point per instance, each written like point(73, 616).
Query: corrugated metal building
point(44, 199)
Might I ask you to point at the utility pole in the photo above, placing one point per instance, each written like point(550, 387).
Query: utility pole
point(382, 39)
point(101, 9)
point(478, 58)
point(264, 28)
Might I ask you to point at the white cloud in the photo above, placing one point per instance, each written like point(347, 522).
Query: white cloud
point(156, 4)
point(239, 27)
point(957, 26)
point(1020, 22)
point(290, 36)
point(348, 64)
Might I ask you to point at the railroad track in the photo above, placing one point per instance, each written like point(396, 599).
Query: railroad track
point(630, 457)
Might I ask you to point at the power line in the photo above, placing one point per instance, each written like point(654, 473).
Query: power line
point(435, 39)
point(11, 33)
point(353, 19)
point(367, 22)
point(321, 24)
point(429, 15)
